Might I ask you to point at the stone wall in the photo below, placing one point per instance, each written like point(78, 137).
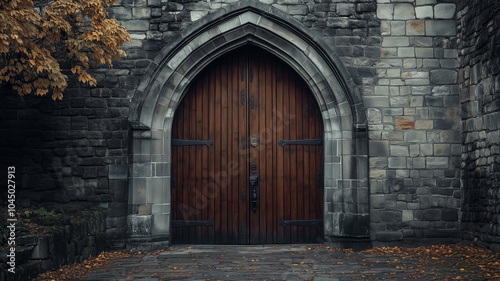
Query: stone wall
point(479, 79)
point(413, 115)
point(70, 153)
point(402, 58)
point(72, 241)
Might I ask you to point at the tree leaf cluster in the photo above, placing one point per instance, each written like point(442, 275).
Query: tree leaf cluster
point(36, 37)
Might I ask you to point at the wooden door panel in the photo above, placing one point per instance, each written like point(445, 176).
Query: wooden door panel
point(247, 92)
point(284, 109)
point(209, 180)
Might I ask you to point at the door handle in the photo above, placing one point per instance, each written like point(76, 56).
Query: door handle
point(255, 190)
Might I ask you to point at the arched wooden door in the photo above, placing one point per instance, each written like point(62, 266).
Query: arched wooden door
point(247, 155)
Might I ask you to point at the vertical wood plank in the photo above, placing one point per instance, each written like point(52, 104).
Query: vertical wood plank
point(280, 161)
point(301, 184)
point(253, 111)
point(267, 136)
point(243, 133)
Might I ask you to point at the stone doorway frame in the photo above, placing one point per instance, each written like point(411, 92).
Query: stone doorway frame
point(346, 206)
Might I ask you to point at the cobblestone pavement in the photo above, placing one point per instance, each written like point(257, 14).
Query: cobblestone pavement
point(282, 262)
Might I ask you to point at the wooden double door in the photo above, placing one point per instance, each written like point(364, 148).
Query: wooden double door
point(247, 155)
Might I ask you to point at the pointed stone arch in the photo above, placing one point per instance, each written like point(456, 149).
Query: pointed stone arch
point(168, 77)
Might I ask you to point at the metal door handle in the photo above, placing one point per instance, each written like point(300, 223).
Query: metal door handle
point(255, 189)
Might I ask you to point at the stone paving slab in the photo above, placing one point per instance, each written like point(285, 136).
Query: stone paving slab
point(275, 262)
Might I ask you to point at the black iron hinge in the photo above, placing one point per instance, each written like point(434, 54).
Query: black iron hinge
point(181, 142)
point(177, 223)
point(252, 102)
point(173, 181)
point(250, 74)
point(309, 223)
point(283, 142)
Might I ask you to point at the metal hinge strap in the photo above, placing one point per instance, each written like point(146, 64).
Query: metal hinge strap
point(191, 223)
point(181, 142)
point(252, 102)
point(174, 180)
point(283, 142)
point(309, 223)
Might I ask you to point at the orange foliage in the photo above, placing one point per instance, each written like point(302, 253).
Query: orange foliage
point(31, 42)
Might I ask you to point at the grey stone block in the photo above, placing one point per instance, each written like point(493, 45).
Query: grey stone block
point(136, 25)
point(399, 150)
point(389, 235)
point(444, 11)
point(397, 162)
point(140, 13)
point(437, 162)
point(378, 148)
point(139, 225)
point(424, 12)
point(376, 101)
point(395, 41)
point(440, 28)
point(161, 223)
point(415, 137)
point(120, 13)
point(421, 41)
point(431, 215)
point(443, 76)
point(385, 11)
point(119, 190)
point(118, 172)
point(404, 11)
point(377, 201)
point(117, 209)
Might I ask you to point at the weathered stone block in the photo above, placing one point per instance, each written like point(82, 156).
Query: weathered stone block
point(379, 148)
point(415, 137)
point(443, 76)
point(385, 11)
point(139, 225)
point(389, 235)
point(345, 9)
point(404, 123)
point(395, 41)
point(398, 28)
point(403, 11)
point(118, 172)
point(120, 13)
point(397, 162)
point(444, 11)
point(399, 150)
point(136, 25)
point(140, 13)
point(437, 162)
point(440, 28)
point(424, 12)
point(431, 215)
